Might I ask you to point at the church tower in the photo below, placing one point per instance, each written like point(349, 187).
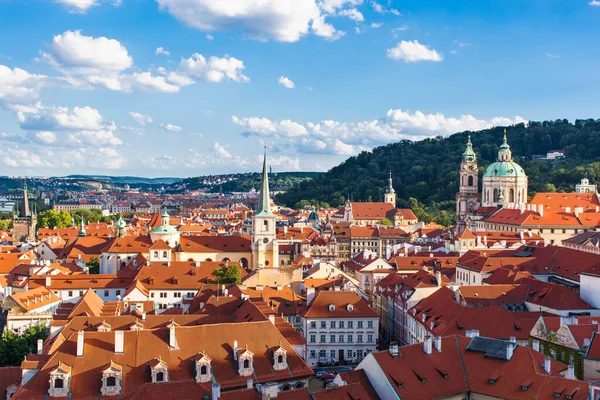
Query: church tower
point(24, 222)
point(390, 193)
point(265, 248)
point(467, 198)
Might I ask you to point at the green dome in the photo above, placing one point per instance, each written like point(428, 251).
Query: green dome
point(165, 229)
point(504, 168)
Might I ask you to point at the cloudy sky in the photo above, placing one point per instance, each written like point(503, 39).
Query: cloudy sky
point(193, 87)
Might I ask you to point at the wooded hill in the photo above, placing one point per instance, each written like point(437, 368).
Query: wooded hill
point(428, 170)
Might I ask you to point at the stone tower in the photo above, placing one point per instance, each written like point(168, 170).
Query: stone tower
point(265, 248)
point(467, 198)
point(24, 222)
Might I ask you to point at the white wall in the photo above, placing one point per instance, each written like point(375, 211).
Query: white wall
point(377, 378)
point(589, 289)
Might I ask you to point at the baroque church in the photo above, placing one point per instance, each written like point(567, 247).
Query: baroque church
point(504, 183)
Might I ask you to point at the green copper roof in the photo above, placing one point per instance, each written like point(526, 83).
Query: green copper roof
point(504, 168)
point(390, 187)
point(313, 216)
point(469, 154)
point(81, 228)
point(121, 223)
point(170, 229)
point(264, 200)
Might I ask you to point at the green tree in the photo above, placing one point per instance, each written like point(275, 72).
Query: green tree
point(53, 218)
point(94, 265)
point(385, 222)
point(14, 348)
point(228, 273)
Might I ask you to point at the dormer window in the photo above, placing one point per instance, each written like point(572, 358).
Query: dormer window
point(279, 358)
point(332, 307)
point(60, 380)
point(112, 377)
point(159, 371)
point(350, 307)
point(104, 327)
point(136, 326)
point(245, 362)
point(203, 370)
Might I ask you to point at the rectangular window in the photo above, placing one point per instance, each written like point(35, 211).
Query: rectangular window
point(369, 338)
point(341, 324)
point(369, 324)
point(322, 353)
point(332, 353)
point(341, 338)
point(106, 293)
point(313, 324)
point(70, 293)
point(322, 338)
point(332, 338)
point(360, 324)
point(359, 354)
point(350, 324)
point(349, 338)
point(81, 292)
point(349, 354)
point(359, 339)
point(313, 354)
point(332, 324)
point(313, 338)
point(118, 292)
point(151, 295)
point(323, 324)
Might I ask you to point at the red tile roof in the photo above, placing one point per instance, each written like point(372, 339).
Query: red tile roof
point(319, 307)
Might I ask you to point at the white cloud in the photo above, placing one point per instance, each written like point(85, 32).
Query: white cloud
point(352, 14)
point(376, 25)
point(140, 118)
point(413, 51)
point(214, 69)
point(210, 37)
point(400, 29)
point(94, 138)
point(17, 157)
point(161, 50)
point(347, 138)
point(378, 8)
point(331, 6)
point(74, 51)
point(62, 118)
point(78, 6)
point(594, 3)
point(552, 55)
point(281, 163)
point(286, 82)
point(221, 151)
point(171, 127)
point(19, 87)
point(46, 137)
point(281, 20)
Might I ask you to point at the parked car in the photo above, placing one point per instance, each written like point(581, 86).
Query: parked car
point(320, 372)
point(343, 369)
point(327, 375)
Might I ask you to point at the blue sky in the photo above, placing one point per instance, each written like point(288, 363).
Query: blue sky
point(194, 87)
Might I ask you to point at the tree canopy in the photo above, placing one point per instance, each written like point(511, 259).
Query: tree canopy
point(228, 273)
point(14, 348)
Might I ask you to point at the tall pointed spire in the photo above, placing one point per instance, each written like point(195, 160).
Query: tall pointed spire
point(26, 211)
point(82, 232)
point(469, 155)
point(264, 200)
point(390, 186)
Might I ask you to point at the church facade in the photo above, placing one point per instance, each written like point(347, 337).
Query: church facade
point(504, 183)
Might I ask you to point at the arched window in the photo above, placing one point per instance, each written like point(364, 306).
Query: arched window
point(244, 262)
point(164, 254)
point(226, 260)
point(511, 195)
point(111, 381)
point(208, 260)
point(156, 254)
point(285, 387)
point(59, 383)
point(280, 359)
point(470, 180)
point(299, 385)
point(203, 370)
point(160, 377)
point(496, 194)
point(246, 363)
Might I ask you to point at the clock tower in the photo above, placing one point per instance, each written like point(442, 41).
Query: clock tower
point(467, 198)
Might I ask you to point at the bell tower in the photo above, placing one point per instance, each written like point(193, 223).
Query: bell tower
point(265, 248)
point(390, 193)
point(467, 198)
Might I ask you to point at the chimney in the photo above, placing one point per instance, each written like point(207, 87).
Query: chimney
point(80, 338)
point(536, 344)
point(197, 264)
point(269, 391)
point(279, 288)
point(571, 372)
point(568, 210)
point(457, 295)
point(509, 350)
point(438, 343)
point(249, 383)
point(586, 342)
point(40, 345)
point(119, 342)
point(547, 364)
point(143, 316)
point(427, 345)
point(48, 281)
point(172, 338)
point(541, 209)
point(216, 391)
point(513, 339)
point(259, 287)
point(310, 294)
point(393, 349)
point(272, 319)
point(438, 278)
point(235, 349)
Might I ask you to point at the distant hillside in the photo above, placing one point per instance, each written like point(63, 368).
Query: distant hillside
point(280, 181)
point(125, 180)
point(428, 170)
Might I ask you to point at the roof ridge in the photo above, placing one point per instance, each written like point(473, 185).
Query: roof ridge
point(462, 363)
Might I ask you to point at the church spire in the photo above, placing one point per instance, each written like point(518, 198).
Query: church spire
point(469, 154)
point(390, 186)
point(82, 232)
point(264, 200)
point(504, 154)
point(26, 211)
